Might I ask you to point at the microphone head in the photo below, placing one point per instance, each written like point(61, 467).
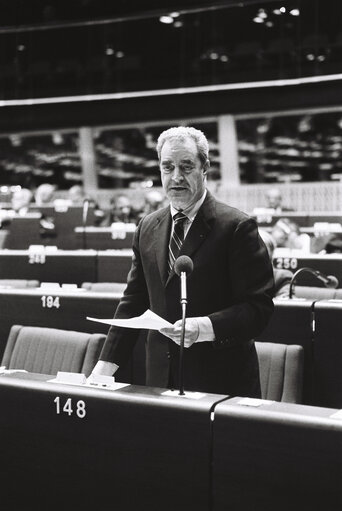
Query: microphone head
point(183, 264)
point(332, 281)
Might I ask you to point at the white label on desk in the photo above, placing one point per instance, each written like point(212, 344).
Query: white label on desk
point(64, 377)
point(250, 401)
point(336, 415)
point(187, 395)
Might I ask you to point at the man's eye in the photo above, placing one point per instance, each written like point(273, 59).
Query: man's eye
point(167, 168)
point(187, 168)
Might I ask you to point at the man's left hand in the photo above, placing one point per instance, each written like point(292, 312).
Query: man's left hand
point(191, 332)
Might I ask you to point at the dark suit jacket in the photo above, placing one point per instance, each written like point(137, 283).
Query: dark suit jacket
point(232, 283)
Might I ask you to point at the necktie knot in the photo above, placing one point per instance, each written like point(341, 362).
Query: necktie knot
point(179, 218)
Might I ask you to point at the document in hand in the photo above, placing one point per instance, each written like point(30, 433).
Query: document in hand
point(148, 320)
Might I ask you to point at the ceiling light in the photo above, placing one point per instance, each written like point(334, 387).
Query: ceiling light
point(269, 24)
point(310, 56)
point(174, 14)
point(166, 19)
point(277, 12)
point(295, 12)
point(21, 47)
point(213, 55)
point(282, 10)
point(120, 54)
point(321, 58)
point(258, 20)
point(224, 58)
point(109, 50)
point(178, 24)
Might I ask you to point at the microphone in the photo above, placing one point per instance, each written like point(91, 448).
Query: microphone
point(183, 268)
point(329, 281)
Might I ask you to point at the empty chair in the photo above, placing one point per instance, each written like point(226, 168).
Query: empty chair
point(104, 287)
point(18, 283)
point(48, 350)
point(281, 371)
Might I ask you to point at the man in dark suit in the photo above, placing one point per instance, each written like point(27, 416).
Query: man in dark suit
point(229, 291)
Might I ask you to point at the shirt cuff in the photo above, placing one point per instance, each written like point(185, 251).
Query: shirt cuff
point(105, 368)
point(206, 331)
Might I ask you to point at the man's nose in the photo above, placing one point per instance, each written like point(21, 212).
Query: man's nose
point(177, 174)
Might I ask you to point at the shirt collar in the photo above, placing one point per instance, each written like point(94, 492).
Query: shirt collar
point(191, 211)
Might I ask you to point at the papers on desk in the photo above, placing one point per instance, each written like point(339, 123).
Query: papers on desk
point(79, 379)
point(148, 320)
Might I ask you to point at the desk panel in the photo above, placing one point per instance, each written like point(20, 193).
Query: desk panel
point(276, 457)
point(60, 266)
point(103, 238)
point(66, 310)
point(113, 265)
point(133, 449)
point(23, 231)
point(328, 353)
point(329, 264)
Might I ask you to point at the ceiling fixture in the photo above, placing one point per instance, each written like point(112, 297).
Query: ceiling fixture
point(295, 12)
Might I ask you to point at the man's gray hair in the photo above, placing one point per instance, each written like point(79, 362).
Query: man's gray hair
point(181, 133)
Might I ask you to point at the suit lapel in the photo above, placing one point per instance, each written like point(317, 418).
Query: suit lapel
point(198, 231)
point(161, 236)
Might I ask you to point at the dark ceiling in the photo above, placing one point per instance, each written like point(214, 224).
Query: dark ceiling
point(63, 48)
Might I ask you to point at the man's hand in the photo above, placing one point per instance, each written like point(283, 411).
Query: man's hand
point(191, 332)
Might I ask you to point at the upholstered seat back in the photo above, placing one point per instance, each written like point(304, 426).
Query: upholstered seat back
point(48, 350)
point(281, 371)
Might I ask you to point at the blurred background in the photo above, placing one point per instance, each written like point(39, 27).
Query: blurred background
point(87, 86)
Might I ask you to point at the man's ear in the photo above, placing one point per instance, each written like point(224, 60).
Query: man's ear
point(206, 167)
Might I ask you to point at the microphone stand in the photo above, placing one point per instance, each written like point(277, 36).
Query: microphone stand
point(183, 302)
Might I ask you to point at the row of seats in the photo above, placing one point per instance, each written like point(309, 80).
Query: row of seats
point(49, 350)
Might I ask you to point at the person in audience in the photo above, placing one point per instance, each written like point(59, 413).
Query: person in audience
point(21, 200)
point(44, 194)
point(76, 194)
point(286, 233)
point(274, 201)
point(153, 201)
point(121, 211)
point(229, 290)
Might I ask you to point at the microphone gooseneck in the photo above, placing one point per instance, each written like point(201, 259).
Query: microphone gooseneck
point(329, 281)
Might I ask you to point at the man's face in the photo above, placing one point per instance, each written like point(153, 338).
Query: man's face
point(182, 173)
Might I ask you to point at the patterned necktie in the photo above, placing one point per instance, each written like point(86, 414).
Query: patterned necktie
point(177, 238)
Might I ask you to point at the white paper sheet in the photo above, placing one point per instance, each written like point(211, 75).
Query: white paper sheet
point(148, 320)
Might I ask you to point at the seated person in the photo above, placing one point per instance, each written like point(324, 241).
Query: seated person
point(44, 194)
point(285, 233)
point(21, 199)
point(76, 195)
point(274, 201)
point(121, 211)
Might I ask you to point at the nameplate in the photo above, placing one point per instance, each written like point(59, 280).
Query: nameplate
point(70, 378)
